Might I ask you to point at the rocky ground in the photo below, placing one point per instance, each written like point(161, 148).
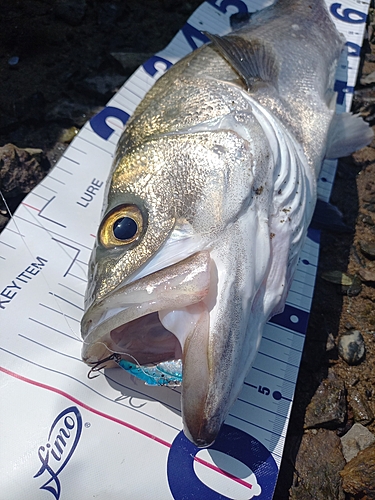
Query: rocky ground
point(59, 65)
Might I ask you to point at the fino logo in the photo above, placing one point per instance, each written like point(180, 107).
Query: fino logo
point(62, 440)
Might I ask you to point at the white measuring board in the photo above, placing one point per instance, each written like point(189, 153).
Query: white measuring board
point(64, 436)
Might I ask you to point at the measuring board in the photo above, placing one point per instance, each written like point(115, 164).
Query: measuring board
point(64, 436)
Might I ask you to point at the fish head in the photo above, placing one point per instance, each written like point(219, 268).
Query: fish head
point(187, 277)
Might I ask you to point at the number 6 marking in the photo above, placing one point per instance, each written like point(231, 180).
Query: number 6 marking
point(348, 15)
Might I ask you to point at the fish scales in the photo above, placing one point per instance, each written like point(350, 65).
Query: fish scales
point(305, 79)
point(207, 206)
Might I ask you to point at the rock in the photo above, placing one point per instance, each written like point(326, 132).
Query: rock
point(370, 185)
point(35, 153)
point(13, 61)
point(317, 466)
point(356, 439)
point(366, 219)
point(131, 60)
point(369, 197)
point(362, 412)
point(359, 474)
point(338, 277)
point(21, 169)
point(368, 79)
point(351, 347)
point(368, 249)
point(367, 275)
point(330, 344)
point(328, 405)
point(71, 12)
point(68, 134)
point(3, 221)
point(350, 285)
point(354, 289)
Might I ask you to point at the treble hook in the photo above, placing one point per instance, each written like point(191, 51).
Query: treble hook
point(99, 365)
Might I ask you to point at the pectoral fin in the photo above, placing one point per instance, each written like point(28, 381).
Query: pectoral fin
point(347, 133)
point(253, 60)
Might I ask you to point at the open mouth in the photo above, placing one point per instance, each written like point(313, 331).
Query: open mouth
point(151, 321)
point(146, 340)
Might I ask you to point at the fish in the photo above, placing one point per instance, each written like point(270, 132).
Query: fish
point(207, 206)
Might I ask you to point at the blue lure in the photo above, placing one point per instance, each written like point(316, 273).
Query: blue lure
point(167, 373)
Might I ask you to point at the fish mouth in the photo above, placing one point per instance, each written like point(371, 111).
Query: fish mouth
point(160, 318)
point(146, 341)
point(151, 318)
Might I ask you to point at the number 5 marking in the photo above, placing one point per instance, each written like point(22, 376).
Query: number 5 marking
point(263, 390)
point(241, 6)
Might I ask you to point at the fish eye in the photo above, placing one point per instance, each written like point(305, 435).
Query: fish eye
point(125, 228)
point(121, 226)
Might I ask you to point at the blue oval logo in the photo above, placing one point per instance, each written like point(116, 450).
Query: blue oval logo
point(184, 483)
point(62, 440)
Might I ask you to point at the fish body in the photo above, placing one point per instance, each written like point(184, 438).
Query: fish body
point(208, 203)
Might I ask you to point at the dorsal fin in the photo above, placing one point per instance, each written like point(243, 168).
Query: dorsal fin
point(253, 60)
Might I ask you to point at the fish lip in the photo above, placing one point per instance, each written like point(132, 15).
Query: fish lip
point(99, 321)
point(202, 431)
point(201, 441)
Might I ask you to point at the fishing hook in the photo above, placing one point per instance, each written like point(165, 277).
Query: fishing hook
point(99, 365)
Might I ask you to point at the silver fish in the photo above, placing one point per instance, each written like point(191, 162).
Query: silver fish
point(208, 204)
